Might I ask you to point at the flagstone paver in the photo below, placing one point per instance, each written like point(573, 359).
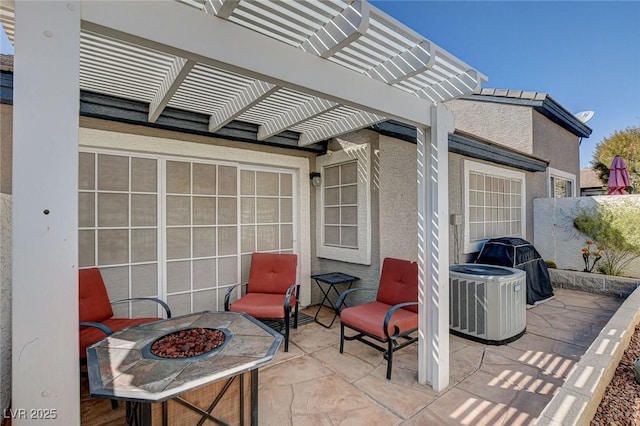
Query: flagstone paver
point(314, 384)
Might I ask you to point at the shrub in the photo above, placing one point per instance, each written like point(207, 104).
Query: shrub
point(551, 264)
point(614, 226)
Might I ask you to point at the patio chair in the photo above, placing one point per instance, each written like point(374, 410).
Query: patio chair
point(393, 315)
point(271, 291)
point(96, 314)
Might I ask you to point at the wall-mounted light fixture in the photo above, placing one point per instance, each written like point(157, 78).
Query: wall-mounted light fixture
point(316, 178)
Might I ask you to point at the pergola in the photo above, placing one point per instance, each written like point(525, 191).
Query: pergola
point(319, 69)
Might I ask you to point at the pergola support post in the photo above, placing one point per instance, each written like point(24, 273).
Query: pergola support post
point(45, 363)
point(433, 249)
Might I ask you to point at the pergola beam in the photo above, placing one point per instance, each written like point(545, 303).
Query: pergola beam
point(407, 64)
point(247, 98)
point(459, 85)
point(221, 8)
point(179, 70)
point(306, 111)
point(216, 42)
point(350, 123)
point(346, 27)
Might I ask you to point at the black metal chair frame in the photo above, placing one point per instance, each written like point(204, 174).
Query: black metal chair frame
point(108, 332)
point(390, 340)
point(282, 322)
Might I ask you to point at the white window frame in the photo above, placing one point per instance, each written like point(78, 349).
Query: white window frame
point(361, 254)
point(555, 173)
point(499, 172)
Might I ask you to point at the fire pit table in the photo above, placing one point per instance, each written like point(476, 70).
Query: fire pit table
point(186, 369)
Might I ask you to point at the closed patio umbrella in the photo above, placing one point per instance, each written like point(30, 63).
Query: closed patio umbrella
point(618, 177)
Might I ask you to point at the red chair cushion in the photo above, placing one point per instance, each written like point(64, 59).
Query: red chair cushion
point(94, 300)
point(91, 335)
point(272, 273)
point(370, 319)
point(398, 283)
point(262, 305)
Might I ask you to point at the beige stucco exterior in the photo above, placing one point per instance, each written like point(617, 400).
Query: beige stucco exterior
point(6, 129)
point(393, 185)
point(508, 125)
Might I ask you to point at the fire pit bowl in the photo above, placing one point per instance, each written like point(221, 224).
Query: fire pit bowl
point(187, 344)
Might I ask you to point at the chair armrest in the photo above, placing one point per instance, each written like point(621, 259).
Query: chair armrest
point(153, 299)
point(106, 330)
point(387, 319)
point(344, 294)
point(228, 295)
point(287, 297)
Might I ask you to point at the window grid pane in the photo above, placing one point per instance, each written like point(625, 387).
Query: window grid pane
point(118, 229)
point(494, 206)
point(341, 205)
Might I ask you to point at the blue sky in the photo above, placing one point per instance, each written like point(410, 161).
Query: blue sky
point(585, 54)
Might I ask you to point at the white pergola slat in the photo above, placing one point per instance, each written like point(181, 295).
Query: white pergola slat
point(174, 78)
point(319, 68)
point(247, 98)
point(307, 111)
point(352, 34)
point(339, 32)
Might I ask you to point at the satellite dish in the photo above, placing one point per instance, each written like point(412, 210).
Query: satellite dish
point(584, 116)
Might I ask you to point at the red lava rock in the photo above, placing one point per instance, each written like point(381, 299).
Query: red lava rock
point(187, 343)
point(620, 404)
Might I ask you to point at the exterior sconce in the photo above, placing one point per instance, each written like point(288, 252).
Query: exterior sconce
point(316, 179)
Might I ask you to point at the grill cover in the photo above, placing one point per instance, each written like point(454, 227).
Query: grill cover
point(519, 253)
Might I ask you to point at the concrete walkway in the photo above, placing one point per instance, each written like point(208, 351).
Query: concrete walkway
point(314, 384)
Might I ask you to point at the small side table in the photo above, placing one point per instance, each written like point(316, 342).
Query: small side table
point(332, 280)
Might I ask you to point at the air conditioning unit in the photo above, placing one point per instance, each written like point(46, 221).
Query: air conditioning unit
point(487, 303)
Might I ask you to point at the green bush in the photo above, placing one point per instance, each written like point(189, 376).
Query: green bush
point(551, 264)
point(614, 226)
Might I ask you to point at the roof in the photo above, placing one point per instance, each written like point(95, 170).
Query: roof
point(541, 102)
point(589, 179)
point(365, 67)
point(6, 63)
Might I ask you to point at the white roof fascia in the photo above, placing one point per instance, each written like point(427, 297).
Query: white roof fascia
point(262, 58)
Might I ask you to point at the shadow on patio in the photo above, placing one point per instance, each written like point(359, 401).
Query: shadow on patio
point(511, 384)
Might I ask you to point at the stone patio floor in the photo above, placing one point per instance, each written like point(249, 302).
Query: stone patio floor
point(313, 384)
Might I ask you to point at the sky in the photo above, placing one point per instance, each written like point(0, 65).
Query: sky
point(584, 54)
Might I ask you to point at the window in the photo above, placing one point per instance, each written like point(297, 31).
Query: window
point(561, 184)
point(495, 204)
point(179, 229)
point(341, 205)
point(343, 213)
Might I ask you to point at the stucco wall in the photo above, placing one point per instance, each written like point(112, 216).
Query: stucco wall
point(508, 125)
point(557, 145)
point(6, 150)
point(5, 300)
point(369, 274)
point(6, 130)
point(456, 207)
point(555, 237)
point(398, 194)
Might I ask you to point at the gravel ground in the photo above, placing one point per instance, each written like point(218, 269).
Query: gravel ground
point(621, 402)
